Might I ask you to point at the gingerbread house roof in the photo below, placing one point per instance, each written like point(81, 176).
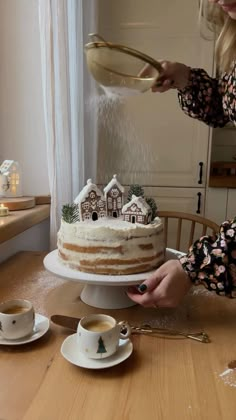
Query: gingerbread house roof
point(113, 182)
point(140, 202)
point(86, 190)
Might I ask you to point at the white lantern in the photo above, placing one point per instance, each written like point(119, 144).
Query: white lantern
point(10, 179)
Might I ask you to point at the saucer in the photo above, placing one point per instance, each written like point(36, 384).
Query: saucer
point(40, 328)
point(69, 352)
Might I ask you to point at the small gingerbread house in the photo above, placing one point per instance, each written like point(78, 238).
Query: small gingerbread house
point(91, 202)
point(137, 210)
point(114, 197)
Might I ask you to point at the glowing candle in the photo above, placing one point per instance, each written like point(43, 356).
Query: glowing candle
point(4, 211)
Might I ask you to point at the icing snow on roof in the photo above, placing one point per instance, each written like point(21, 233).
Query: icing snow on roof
point(113, 182)
point(86, 190)
point(140, 202)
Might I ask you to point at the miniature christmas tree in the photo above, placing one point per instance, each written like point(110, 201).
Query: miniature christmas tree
point(135, 189)
point(151, 202)
point(101, 347)
point(70, 213)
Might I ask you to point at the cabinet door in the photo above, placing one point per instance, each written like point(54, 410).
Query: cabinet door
point(179, 199)
point(216, 204)
point(147, 139)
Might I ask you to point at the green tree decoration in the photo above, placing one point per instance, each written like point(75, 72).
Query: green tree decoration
point(151, 202)
point(101, 347)
point(135, 189)
point(70, 213)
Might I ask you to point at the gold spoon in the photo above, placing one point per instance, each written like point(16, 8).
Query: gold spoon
point(147, 329)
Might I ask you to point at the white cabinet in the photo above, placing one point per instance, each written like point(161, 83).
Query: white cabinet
point(188, 200)
point(147, 139)
point(220, 204)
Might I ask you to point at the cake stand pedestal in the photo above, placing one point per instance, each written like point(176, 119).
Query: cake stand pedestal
point(100, 291)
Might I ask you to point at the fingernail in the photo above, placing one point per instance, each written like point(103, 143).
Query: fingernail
point(142, 288)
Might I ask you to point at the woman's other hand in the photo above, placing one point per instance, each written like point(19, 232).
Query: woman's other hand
point(165, 288)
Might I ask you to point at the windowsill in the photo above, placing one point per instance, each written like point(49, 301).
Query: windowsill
point(21, 220)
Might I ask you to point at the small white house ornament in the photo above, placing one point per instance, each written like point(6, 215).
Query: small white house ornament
point(10, 179)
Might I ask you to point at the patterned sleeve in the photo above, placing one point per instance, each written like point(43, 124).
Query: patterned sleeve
point(211, 261)
point(202, 99)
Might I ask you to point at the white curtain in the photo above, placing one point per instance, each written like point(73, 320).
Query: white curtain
point(67, 86)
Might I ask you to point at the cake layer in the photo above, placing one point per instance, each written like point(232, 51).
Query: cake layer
point(111, 246)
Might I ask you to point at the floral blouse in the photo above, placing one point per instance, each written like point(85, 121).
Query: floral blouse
point(208, 99)
point(211, 260)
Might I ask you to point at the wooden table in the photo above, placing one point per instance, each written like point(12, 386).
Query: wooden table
point(170, 379)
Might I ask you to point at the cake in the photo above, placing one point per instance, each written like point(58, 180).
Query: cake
point(110, 238)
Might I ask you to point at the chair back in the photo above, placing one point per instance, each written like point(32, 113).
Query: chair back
point(182, 229)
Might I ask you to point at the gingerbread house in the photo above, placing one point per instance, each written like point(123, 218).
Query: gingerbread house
point(91, 202)
point(137, 210)
point(114, 197)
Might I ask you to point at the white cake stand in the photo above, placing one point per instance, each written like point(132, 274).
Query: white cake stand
point(100, 291)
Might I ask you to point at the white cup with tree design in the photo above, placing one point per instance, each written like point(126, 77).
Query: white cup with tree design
point(98, 335)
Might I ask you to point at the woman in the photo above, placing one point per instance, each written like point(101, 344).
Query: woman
point(211, 260)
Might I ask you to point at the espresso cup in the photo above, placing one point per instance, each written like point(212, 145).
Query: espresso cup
point(16, 319)
point(98, 335)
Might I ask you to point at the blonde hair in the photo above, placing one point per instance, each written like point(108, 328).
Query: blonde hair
point(224, 28)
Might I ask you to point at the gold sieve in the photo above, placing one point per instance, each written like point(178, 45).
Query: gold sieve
point(119, 69)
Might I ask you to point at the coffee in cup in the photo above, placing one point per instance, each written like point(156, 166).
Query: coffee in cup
point(98, 335)
point(17, 318)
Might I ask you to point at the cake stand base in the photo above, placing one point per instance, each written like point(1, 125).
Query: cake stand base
point(106, 297)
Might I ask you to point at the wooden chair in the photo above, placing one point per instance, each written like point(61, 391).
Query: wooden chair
point(194, 227)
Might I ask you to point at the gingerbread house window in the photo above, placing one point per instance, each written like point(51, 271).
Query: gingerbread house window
point(87, 216)
point(85, 206)
point(101, 204)
point(109, 203)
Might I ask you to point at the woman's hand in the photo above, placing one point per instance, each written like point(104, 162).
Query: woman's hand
point(165, 288)
point(172, 76)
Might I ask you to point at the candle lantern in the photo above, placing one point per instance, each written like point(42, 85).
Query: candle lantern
point(10, 179)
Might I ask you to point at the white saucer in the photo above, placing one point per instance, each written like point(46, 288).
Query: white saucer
point(40, 328)
point(69, 352)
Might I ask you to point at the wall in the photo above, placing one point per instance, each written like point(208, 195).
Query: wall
point(34, 239)
point(22, 135)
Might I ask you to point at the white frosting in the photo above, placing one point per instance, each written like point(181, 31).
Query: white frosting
point(113, 239)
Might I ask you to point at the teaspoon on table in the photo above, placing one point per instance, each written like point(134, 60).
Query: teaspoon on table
point(146, 329)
